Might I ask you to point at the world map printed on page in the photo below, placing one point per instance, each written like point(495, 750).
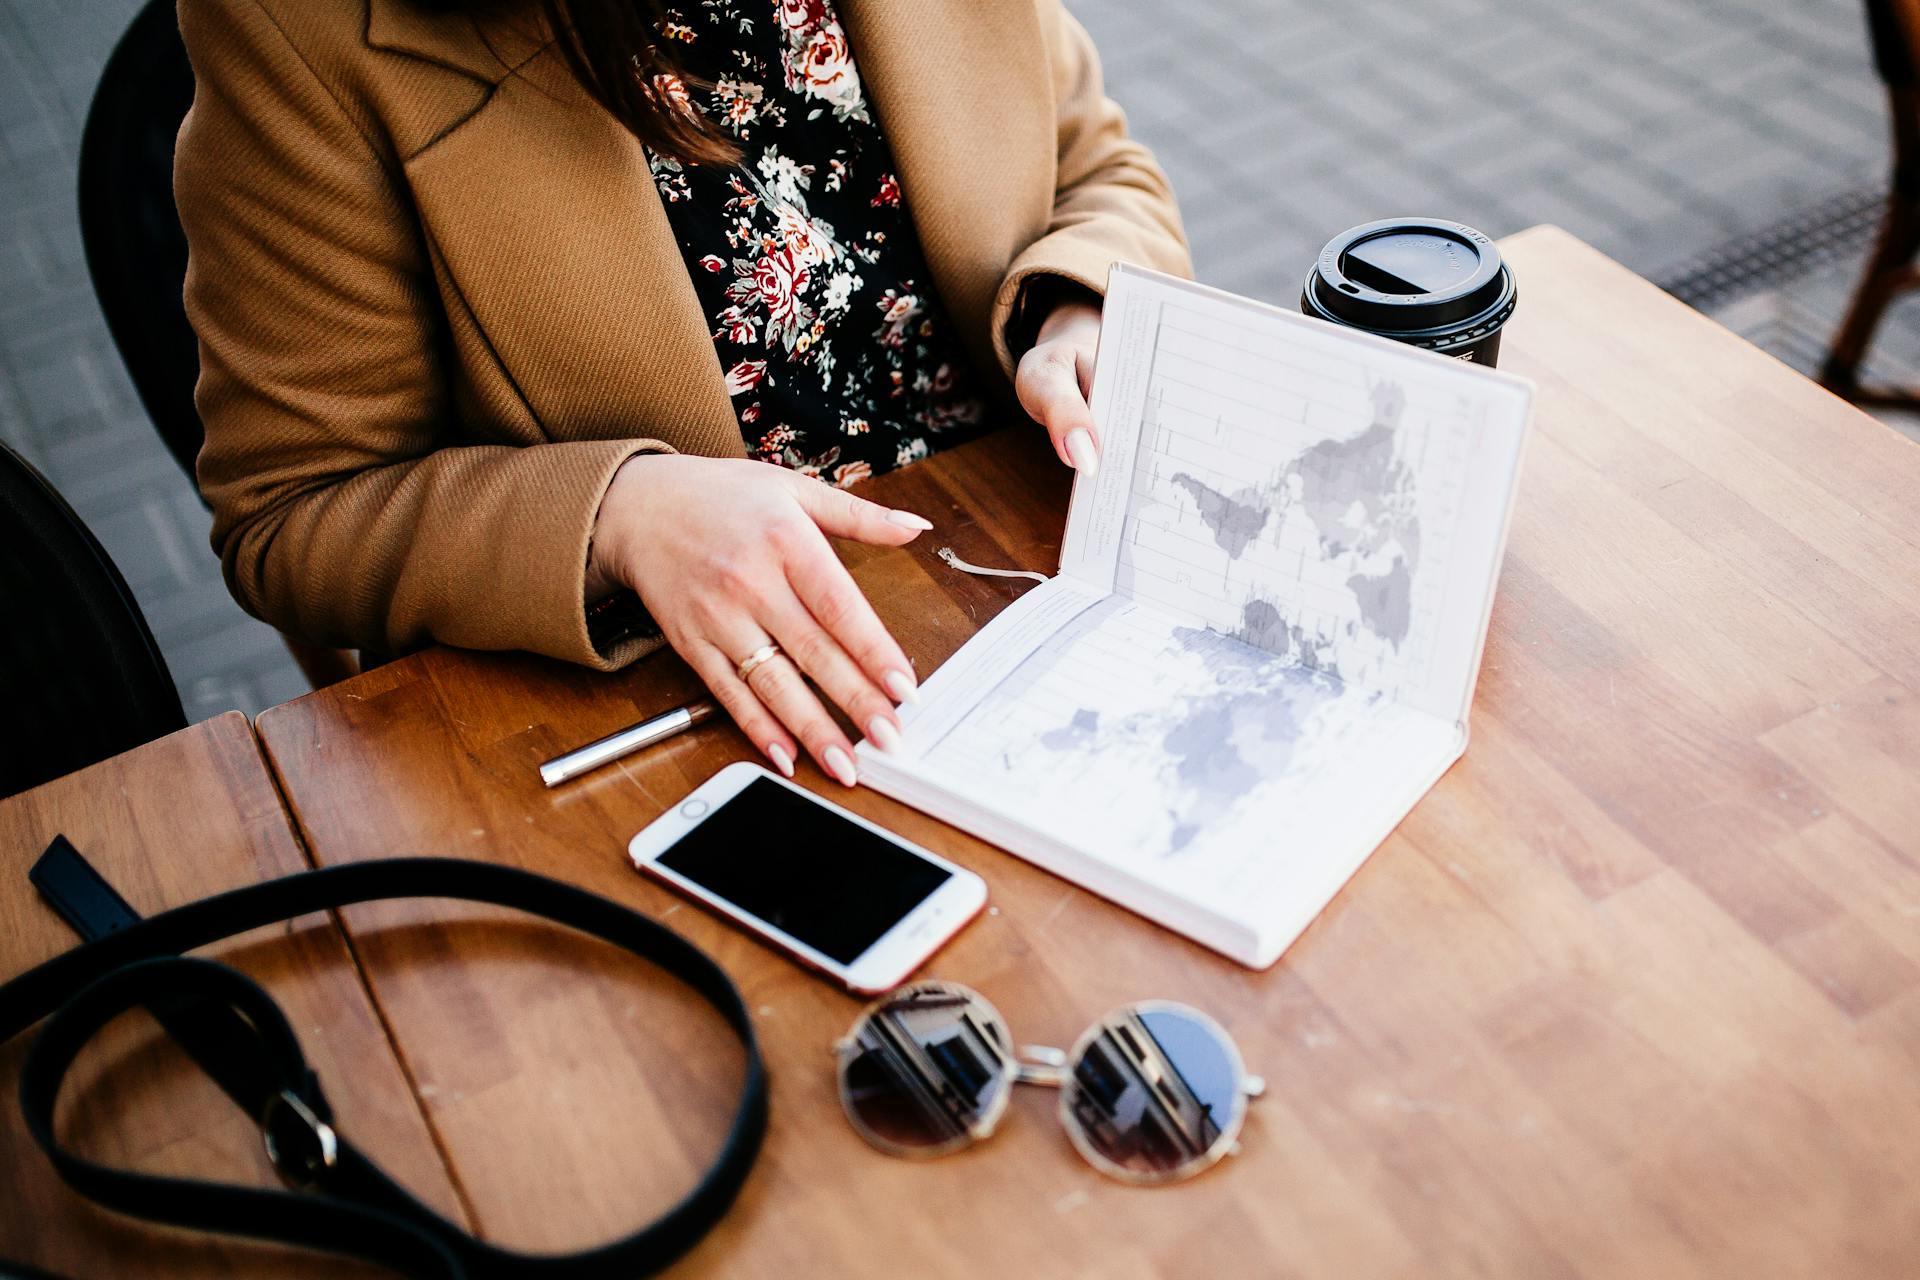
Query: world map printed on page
point(1359, 494)
point(1304, 504)
point(1132, 731)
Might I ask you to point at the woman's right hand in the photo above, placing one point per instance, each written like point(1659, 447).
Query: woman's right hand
point(729, 555)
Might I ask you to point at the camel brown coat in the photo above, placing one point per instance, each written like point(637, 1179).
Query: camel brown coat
point(439, 302)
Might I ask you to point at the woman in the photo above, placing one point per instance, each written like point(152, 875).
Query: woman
point(499, 329)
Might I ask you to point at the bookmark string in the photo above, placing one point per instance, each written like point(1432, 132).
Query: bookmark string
point(947, 554)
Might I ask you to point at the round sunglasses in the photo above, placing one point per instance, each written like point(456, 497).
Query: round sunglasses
point(1152, 1092)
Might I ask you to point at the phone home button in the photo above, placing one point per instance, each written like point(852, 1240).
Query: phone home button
point(693, 808)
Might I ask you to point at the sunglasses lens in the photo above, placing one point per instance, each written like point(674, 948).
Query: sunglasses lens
point(927, 1070)
point(1155, 1093)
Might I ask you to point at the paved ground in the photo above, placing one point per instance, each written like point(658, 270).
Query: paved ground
point(1660, 130)
point(1654, 129)
point(65, 401)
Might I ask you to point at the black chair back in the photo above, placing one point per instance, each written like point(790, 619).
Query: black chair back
point(80, 676)
point(136, 251)
point(1892, 47)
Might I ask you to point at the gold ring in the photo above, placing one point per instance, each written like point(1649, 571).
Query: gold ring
point(753, 660)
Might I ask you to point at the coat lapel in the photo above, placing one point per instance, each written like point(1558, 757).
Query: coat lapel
point(962, 90)
point(545, 214)
point(485, 49)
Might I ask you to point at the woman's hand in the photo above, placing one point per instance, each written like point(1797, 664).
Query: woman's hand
point(730, 555)
point(1055, 378)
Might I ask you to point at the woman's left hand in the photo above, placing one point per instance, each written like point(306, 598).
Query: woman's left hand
point(1055, 378)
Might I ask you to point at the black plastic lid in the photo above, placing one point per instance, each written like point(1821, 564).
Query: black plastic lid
point(1402, 275)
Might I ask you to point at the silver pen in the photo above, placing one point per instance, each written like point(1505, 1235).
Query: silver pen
point(625, 742)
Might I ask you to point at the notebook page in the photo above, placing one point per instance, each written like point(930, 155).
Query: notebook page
point(985, 662)
point(1163, 748)
point(1331, 498)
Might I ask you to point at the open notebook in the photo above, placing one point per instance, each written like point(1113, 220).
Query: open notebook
point(1261, 644)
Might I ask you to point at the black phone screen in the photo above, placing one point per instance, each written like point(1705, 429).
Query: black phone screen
point(804, 869)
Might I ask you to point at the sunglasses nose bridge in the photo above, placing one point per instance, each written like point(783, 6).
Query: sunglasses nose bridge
point(1042, 1065)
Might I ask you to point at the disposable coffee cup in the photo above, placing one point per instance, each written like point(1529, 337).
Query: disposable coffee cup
point(1427, 283)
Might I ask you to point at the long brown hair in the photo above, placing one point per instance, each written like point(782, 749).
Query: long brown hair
point(616, 50)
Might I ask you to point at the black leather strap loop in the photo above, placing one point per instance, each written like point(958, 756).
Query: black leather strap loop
point(353, 1207)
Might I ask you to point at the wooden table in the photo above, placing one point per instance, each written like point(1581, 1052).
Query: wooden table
point(191, 814)
point(1633, 991)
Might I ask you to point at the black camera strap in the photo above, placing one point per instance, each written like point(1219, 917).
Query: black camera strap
point(341, 1202)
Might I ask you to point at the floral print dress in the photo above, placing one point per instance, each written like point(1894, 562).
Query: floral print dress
point(839, 358)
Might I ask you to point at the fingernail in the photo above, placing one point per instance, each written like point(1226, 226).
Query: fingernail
point(781, 760)
point(883, 733)
point(901, 688)
point(908, 520)
point(1080, 450)
point(840, 766)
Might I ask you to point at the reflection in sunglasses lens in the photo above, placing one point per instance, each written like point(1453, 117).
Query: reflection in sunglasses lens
point(925, 1069)
point(1155, 1092)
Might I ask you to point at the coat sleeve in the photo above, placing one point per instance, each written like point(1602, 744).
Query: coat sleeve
point(346, 509)
point(1112, 203)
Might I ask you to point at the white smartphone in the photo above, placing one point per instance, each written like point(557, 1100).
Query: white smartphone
point(829, 888)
